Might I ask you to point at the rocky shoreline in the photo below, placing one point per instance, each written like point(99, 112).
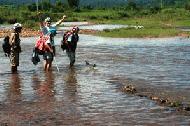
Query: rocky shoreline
point(178, 100)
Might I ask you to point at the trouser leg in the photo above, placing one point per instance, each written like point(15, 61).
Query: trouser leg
point(71, 56)
point(54, 51)
point(72, 59)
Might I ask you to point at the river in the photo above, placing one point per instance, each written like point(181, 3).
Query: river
point(85, 95)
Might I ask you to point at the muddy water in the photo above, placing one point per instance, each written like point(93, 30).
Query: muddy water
point(85, 95)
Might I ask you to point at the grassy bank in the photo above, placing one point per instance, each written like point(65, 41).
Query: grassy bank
point(164, 23)
point(152, 27)
point(157, 23)
point(139, 33)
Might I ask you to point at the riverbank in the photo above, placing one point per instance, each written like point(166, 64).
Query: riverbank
point(116, 33)
point(25, 32)
point(144, 28)
point(163, 22)
point(143, 33)
point(33, 33)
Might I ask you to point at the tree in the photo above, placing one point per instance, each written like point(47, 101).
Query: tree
point(58, 7)
point(132, 5)
point(161, 4)
point(73, 3)
point(46, 4)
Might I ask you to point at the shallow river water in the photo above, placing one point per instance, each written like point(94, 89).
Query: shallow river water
point(84, 95)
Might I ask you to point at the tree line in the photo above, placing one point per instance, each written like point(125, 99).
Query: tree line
point(26, 13)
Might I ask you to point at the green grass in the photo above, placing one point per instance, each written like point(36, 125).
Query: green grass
point(139, 33)
point(95, 15)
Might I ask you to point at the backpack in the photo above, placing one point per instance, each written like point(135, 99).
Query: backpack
point(6, 46)
point(64, 44)
point(40, 44)
point(35, 58)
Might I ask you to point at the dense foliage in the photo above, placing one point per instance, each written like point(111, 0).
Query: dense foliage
point(164, 10)
point(102, 3)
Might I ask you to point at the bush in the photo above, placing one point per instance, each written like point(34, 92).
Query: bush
point(32, 7)
point(144, 13)
point(77, 10)
point(154, 10)
point(88, 7)
point(12, 21)
point(2, 20)
point(31, 24)
point(168, 11)
point(93, 17)
point(187, 6)
point(123, 14)
point(107, 30)
point(106, 17)
point(25, 14)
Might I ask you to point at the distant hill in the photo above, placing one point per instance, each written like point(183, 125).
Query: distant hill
point(93, 3)
point(15, 2)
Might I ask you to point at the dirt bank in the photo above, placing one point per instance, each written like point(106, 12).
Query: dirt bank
point(31, 33)
point(25, 32)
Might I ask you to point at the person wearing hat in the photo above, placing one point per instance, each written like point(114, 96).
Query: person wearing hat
point(69, 42)
point(49, 29)
point(15, 46)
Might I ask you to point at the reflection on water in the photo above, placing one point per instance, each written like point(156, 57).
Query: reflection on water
point(85, 96)
point(14, 91)
point(71, 82)
point(45, 87)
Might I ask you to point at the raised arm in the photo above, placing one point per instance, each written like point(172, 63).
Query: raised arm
point(61, 20)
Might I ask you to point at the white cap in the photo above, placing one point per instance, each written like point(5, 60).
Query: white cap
point(17, 25)
point(48, 19)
